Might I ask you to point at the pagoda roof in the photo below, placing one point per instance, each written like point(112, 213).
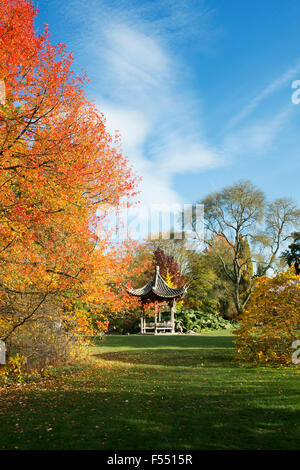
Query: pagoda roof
point(157, 288)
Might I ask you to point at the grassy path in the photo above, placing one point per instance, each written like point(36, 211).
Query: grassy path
point(157, 392)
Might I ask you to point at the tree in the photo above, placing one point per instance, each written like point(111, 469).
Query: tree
point(178, 248)
point(57, 163)
point(204, 290)
point(292, 255)
point(142, 265)
point(239, 214)
point(171, 257)
point(169, 268)
point(209, 288)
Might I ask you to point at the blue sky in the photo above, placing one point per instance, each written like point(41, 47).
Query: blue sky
point(200, 90)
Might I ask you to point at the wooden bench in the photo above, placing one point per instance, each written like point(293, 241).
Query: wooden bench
point(156, 327)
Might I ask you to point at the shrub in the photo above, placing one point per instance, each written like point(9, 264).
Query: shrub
point(45, 343)
point(270, 324)
point(198, 321)
point(15, 370)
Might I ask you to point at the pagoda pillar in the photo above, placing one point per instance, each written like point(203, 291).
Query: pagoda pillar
point(143, 320)
point(173, 303)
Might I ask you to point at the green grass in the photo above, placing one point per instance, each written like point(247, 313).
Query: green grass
point(157, 392)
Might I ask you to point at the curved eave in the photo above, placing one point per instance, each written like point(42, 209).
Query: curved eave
point(161, 293)
point(158, 288)
point(143, 291)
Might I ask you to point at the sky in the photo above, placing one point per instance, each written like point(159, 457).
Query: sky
point(199, 90)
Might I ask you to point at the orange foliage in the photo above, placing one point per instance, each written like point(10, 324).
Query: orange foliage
point(57, 163)
point(271, 322)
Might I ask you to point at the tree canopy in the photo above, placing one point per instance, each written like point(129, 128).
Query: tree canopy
point(253, 231)
point(57, 163)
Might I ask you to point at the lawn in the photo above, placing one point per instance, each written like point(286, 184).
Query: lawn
point(157, 392)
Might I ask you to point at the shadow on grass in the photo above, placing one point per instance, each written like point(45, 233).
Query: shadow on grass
point(127, 419)
point(188, 351)
point(172, 357)
point(157, 341)
point(122, 408)
point(115, 406)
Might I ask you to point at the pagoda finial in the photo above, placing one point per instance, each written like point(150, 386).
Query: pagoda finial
point(157, 289)
point(156, 276)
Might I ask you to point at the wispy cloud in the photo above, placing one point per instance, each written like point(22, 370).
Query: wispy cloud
point(269, 90)
point(259, 136)
point(138, 85)
point(142, 85)
point(135, 63)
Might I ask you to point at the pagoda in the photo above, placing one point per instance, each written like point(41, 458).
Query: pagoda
point(157, 290)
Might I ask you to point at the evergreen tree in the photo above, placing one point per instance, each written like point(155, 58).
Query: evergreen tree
point(292, 255)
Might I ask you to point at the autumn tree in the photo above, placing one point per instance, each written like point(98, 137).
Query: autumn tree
point(57, 164)
point(141, 266)
point(169, 268)
point(178, 248)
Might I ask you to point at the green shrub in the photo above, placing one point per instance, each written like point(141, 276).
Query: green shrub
point(198, 321)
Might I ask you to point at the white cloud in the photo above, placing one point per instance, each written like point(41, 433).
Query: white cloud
point(259, 136)
point(139, 85)
point(159, 131)
point(184, 157)
point(135, 128)
point(134, 59)
point(142, 88)
point(132, 124)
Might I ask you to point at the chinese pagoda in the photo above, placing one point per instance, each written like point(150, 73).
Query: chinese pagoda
point(157, 290)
